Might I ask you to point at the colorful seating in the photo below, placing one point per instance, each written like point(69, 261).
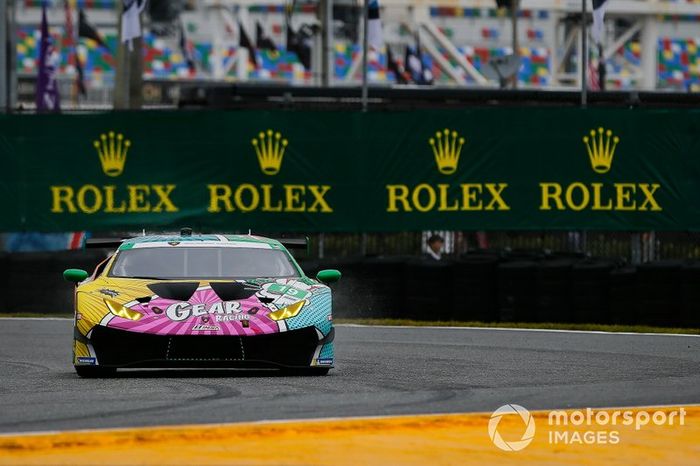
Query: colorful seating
point(679, 63)
point(95, 4)
point(678, 60)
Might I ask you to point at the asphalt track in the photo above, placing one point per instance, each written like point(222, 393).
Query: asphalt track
point(379, 371)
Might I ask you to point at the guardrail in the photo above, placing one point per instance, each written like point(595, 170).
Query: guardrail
point(520, 287)
point(490, 286)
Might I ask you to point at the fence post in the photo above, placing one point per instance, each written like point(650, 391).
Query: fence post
point(321, 244)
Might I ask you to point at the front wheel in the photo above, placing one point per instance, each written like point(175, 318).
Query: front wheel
point(93, 372)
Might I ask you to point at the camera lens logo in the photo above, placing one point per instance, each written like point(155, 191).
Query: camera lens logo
point(527, 436)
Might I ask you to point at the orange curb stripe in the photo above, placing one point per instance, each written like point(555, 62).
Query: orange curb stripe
point(409, 440)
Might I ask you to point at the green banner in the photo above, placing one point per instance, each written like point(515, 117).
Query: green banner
point(307, 171)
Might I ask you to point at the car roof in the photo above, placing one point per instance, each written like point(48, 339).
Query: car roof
point(236, 241)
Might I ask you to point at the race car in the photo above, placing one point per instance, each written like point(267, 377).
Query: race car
point(176, 301)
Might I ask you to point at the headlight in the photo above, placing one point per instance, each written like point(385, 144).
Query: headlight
point(287, 312)
point(121, 311)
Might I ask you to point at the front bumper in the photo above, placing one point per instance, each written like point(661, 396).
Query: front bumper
point(120, 348)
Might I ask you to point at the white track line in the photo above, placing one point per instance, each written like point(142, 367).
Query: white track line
point(325, 419)
point(438, 327)
point(36, 318)
point(508, 329)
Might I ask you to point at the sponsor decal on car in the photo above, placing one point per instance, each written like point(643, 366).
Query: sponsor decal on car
point(202, 327)
point(232, 318)
point(183, 310)
point(325, 361)
point(110, 293)
point(283, 294)
point(87, 361)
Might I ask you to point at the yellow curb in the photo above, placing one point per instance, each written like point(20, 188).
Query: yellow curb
point(451, 439)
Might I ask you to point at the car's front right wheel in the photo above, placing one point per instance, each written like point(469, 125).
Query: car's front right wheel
point(93, 372)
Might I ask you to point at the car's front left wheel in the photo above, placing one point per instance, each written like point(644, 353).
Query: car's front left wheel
point(92, 372)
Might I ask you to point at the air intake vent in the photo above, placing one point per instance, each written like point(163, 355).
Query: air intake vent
point(178, 291)
point(233, 291)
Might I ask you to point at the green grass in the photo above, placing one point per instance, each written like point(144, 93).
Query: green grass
point(524, 325)
point(455, 323)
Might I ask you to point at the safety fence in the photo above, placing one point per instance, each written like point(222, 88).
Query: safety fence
point(33, 282)
point(489, 286)
point(523, 286)
point(630, 247)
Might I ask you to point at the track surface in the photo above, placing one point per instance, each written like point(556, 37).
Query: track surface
point(379, 371)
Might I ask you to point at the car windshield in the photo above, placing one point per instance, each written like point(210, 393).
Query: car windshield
point(203, 262)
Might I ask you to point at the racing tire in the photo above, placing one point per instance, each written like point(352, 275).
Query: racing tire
point(95, 372)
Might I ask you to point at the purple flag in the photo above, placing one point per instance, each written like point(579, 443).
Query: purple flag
point(47, 97)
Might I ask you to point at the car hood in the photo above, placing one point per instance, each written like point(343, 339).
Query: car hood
point(200, 307)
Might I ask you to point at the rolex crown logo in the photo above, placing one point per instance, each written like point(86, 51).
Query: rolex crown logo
point(112, 149)
point(447, 147)
point(601, 149)
point(269, 147)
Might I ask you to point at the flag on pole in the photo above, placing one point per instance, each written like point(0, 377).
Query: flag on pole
point(426, 72)
point(245, 42)
point(374, 26)
point(597, 71)
point(73, 57)
point(415, 65)
point(593, 81)
point(300, 43)
point(131, 21)
point(47, 96)
point(599, 7)
point(396, 67)
point(88, 31)
point(80, 78)
point(263, 41)
point(187, 50)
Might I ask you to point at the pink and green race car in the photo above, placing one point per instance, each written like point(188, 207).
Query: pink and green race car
point(237, 301)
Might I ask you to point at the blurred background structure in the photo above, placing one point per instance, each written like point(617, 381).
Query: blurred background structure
point(646, 45)
point(433, 53)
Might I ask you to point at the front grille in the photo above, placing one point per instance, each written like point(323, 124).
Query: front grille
point(202, 348)
point(120, 348)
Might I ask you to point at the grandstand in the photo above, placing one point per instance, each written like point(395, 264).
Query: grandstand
point(649, 45)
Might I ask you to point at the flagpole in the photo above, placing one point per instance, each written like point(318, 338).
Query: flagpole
point(601, 67)
point(584, 55)
point(365, 46)
point(4, 71)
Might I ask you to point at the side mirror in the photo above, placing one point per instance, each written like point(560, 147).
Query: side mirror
point(328, 276)
point(75, 275)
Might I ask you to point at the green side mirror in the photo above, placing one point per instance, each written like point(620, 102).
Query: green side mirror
point(328, 276)
point(75, 275)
